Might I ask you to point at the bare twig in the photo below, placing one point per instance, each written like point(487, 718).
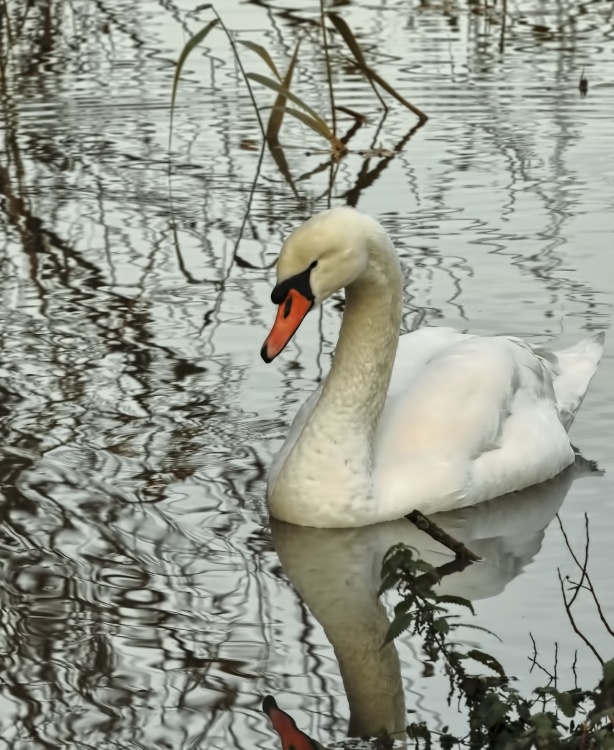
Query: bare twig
point(329, 73)
point(573, 622)
point(584, 566)
point(503, 27)
point(535, 663)
point(233, 44)
point(585, 576)
point(533, 659)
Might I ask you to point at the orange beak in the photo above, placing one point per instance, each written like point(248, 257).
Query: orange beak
point(290, 315)
point(284, 725)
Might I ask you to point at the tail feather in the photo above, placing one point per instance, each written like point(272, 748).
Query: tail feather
point(577, 365)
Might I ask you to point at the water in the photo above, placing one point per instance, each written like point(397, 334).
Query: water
point(144, 604)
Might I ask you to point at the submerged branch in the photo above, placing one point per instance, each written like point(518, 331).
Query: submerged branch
point(441, 536)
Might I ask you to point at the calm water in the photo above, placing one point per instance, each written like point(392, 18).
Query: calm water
point(146, 602)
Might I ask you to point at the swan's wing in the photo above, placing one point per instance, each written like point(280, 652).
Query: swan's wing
point(415, 350)
point(479, 419)
point(577, 365)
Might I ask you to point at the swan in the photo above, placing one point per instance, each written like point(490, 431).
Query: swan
point(433, 420)
point(336, 572)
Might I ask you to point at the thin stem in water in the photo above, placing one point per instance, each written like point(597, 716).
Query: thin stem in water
point(329, 73)
point(240, 64)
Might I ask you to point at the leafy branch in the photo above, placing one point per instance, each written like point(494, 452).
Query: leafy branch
point(499, 717)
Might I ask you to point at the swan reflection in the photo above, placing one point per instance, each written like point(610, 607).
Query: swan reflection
point(337, 574)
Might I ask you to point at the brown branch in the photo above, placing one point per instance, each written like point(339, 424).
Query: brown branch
point(585, 575)
point(439, 535)
point(582, 567)
point(573, 622)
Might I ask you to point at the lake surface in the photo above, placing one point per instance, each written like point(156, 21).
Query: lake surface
point(146, 602)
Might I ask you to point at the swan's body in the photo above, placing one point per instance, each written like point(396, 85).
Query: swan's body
point(434, 420)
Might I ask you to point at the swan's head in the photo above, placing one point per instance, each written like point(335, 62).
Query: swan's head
point(325, 254)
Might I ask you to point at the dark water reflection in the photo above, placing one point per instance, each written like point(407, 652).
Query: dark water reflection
point(143, 603)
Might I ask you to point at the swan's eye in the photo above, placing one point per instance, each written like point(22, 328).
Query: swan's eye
point(287, 307)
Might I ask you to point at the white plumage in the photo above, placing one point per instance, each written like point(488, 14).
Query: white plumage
point(433, 420)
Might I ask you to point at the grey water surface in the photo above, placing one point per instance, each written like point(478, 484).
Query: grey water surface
point(146, 602)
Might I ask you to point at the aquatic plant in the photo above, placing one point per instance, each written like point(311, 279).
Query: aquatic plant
point(498, 715)
point(306, 114)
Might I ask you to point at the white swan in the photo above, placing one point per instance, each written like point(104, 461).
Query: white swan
point(451, 420)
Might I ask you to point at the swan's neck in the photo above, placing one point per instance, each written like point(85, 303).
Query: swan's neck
point(356, 387)
point(371, 672)
point(336, 573)
point(326, 479)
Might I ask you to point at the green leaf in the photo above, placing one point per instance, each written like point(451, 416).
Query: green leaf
point(398, 556)
point(279, 158)
point(566, 704)
point(398, 626)
point(478, 627)
point(448, 741)
point(263, 53)
point(606, 713)
point(310, 122)
point(425, 567)
point(487, 660)
point(355, 49)
point(349, 38)
point(608, 675)
point(450, 599)
point(492, 710)
point(191, 43)
point(420, 731)
point(279, 108)
point(441, 625)
point(545, 726)
point(371, 74)
point(524, 711)
point(389, 581)
point(271, 84)
point(566, 701)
